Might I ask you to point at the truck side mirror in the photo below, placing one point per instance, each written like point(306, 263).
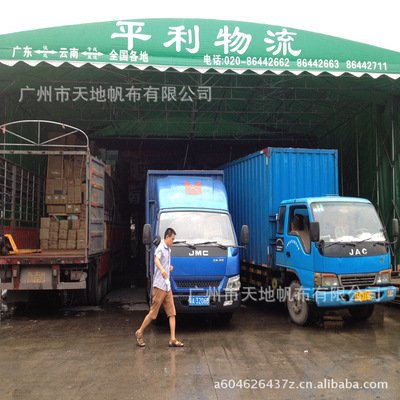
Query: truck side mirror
point(244, 235)
point(395, 227)
point(314, 231)
point(147, 234)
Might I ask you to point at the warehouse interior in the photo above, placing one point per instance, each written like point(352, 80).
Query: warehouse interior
point(138, 120)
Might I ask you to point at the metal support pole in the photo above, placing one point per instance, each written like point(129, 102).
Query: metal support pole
point(357, 155)
point(393, 170)
point(376, 160)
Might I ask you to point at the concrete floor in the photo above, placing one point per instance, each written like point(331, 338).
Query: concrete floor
point(91, 353)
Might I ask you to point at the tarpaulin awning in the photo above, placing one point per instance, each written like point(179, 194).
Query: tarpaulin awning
point(231, 43)
point(215, 75)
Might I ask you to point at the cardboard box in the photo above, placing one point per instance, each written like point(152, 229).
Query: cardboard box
point(80, 244)
point(81, 234)
point(64, 224)
point(63, 234)
point(56, 209)
point(44, 244)
point(75, 224)
point(54, 225)
point(72, 234)
point(56, 186)
point(44, 233)
point(75, 167)
point(71, 244)
point(55, 167)
point(45, 223)
point(53, 236)
point(77, 194)
point(73, 209)
point(62, 244)
point(53, 244)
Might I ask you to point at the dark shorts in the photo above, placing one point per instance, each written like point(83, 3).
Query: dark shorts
point(164, 298)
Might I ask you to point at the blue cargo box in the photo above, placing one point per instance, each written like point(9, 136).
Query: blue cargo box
point(256, 185)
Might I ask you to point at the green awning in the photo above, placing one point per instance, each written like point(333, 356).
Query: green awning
point(200, 44)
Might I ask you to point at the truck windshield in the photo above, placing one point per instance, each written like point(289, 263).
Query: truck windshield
point(348, 222)
point(194, 227)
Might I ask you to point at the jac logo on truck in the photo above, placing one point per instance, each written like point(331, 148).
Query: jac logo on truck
point(199, 253)
point(358, 252)
point(193, 189)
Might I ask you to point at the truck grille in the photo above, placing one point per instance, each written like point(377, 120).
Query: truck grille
point(197, 284)
point(360, 280)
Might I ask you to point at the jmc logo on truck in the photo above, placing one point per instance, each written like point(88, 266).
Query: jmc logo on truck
point(199, 253)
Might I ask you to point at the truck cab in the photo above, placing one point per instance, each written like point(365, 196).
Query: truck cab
point(333, 252)
point(205, 255)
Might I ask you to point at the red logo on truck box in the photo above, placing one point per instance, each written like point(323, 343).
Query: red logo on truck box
point(193, 189)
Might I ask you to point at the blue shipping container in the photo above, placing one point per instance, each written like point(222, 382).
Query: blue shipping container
point(256, 185)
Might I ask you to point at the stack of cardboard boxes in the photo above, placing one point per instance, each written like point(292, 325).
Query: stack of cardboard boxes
point(62, 234)
point(65, 201)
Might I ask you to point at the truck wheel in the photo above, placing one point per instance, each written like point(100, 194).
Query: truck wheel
point(94, 290)
point(298, 308)
point(225, 317)
point(362, 312)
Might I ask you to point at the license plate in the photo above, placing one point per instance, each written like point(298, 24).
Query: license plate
point(36, 277)
point(199, 301)
point(363, 296)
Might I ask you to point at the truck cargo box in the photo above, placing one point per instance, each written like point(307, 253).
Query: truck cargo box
point(256, 185)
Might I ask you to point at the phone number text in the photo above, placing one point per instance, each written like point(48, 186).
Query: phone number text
point(276, 62)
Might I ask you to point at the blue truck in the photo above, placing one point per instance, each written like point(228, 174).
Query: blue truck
point(308, 246)
point(205, 254)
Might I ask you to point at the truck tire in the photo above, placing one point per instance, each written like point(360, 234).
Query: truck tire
point(298, 308)
point(225, 317)
point(362, 312)
point(94, 284)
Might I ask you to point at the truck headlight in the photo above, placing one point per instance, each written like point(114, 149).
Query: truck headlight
point(326, 280)
point(233, 284)
point(384, 276)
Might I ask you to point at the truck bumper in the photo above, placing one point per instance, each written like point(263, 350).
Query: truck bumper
point(221, 302)
point(49, 286)
point(345, 298)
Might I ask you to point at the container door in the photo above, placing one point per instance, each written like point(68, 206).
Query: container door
point(96, 206)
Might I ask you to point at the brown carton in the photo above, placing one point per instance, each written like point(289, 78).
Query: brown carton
point(75, 224)
point(63, 234)
point(44, 244)
point(53, 244)
point(81, 234)
point(45, 223)
point(55, 166)
point(72, 234)
point(71, 244)
point(56, 209)
point(44, 234)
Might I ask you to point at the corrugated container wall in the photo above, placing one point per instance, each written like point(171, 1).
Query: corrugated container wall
point(257, 184)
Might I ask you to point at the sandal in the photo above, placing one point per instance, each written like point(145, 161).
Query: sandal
point(175, 343)
point(139, 339)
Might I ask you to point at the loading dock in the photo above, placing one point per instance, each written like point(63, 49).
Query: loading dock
point(196, 93)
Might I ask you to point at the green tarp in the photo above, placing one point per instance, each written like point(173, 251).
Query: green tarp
point(201, 44)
